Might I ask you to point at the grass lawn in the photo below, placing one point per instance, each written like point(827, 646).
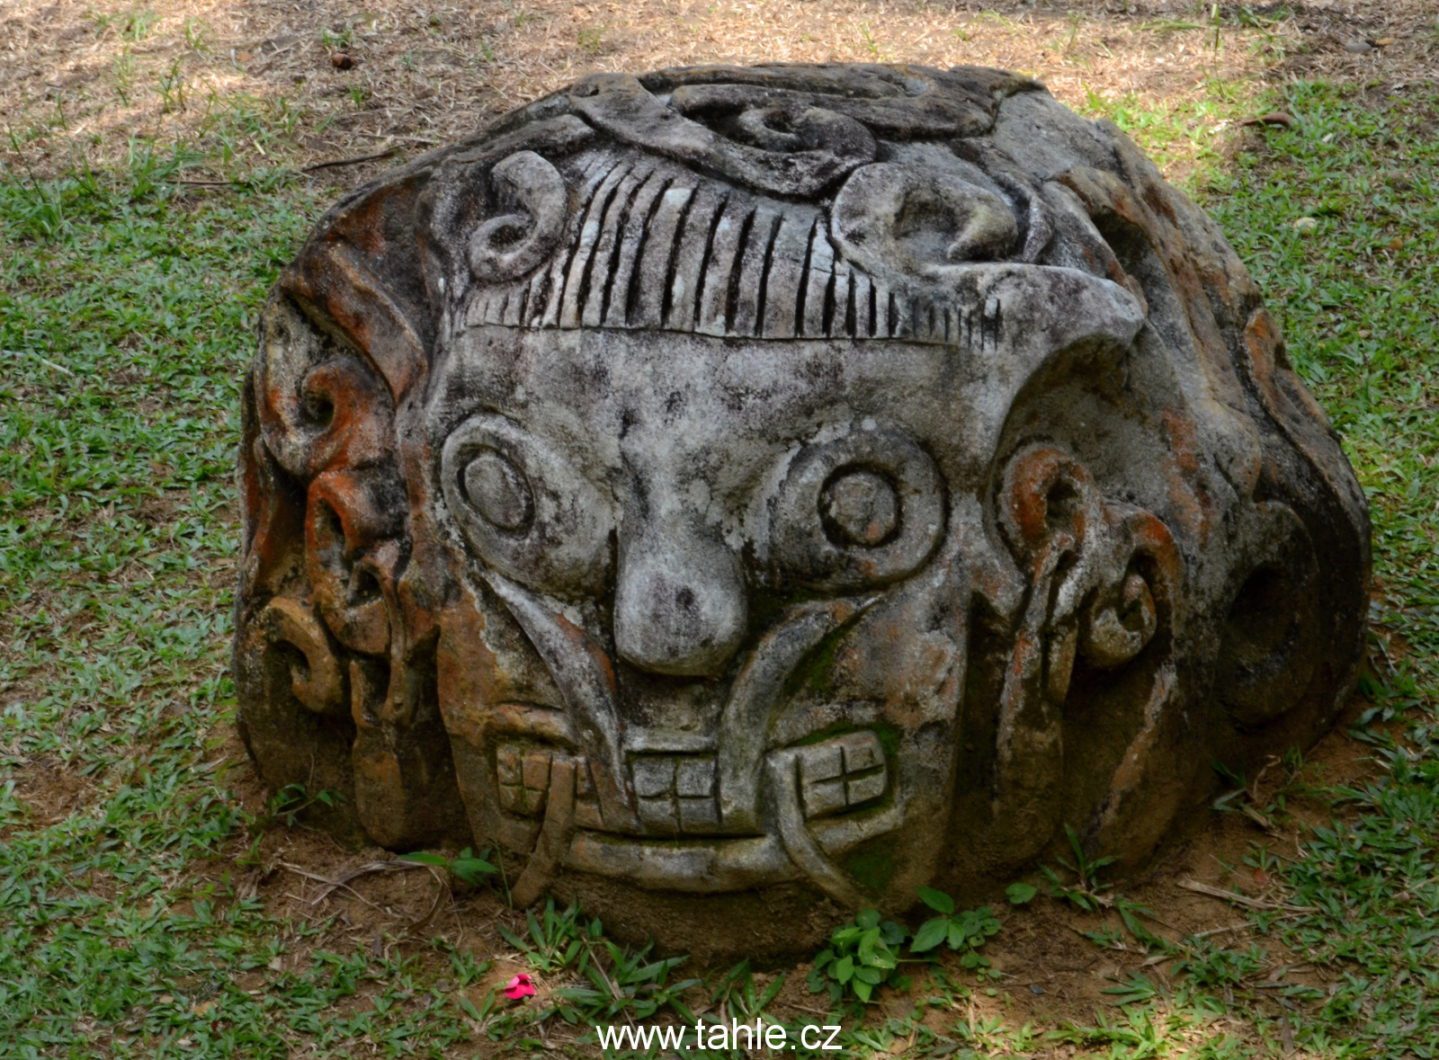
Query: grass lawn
point(153, 902)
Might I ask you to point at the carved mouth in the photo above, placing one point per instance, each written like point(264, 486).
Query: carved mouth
point(720, 792)
point(823, 797)
point(584, 789)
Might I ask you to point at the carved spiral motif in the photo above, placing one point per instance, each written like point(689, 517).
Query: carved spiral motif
point(317, 413)
point(319, 684)
point(511, 243)
point(1047, 494)
point(353, 527)
point(1118, 630)
point(1138, 597)
point(925, 222)
point(1116, 568)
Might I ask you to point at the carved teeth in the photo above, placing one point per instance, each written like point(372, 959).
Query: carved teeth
point(678, 793)
point(524, 775)
point(841, 773)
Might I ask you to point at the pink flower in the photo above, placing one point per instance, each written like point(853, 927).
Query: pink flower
point(520, 987)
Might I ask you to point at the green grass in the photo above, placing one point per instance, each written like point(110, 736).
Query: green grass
point(1357, 295)
point(127, 305)
point(1358, 298)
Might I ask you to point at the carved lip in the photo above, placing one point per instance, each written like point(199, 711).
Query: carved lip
point(709, 864)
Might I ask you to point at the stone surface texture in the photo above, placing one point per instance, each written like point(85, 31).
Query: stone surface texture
point(737, 495)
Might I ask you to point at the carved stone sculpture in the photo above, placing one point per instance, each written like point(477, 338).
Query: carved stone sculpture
point(724, 490)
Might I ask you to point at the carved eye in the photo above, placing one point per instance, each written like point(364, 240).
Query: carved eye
point(860, 510)
point(499, 491)
point(523, 508)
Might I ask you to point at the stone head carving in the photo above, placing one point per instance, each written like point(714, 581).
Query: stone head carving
point(741, 487)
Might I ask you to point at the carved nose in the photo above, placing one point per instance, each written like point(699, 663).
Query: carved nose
point(679, 604)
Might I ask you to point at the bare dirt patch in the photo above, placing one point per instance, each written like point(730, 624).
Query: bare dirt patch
point(344, 81)
point(1389, 45)
point(365, 893)
point(1051, 972)
point(50, 791)
point(82, 80)
point(1201, 887)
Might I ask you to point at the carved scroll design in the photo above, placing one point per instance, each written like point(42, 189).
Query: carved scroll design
point(514, 242)
point(889, 215)
point(334, 552)
point(794, 150)
point(318, 684)
point(1103, 581)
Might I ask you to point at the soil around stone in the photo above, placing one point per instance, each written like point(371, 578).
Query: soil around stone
point(1050, 973)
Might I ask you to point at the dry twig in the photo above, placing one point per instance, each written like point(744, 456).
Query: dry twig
point(1240, 899)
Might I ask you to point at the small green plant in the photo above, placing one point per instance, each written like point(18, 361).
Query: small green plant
point(1135, 990)
point(591, 39)
point(601, 982)
point(1020, 893)
point(1087, 892)
point(1246, 797)
point(1206, 964)
point(965, 931)
point(861, 956)
point(1265, 863)
point(737, 997)
point(1090, 894)
point(287, 804)
point(1107, 938)
point(871, 45)
point(1076, 23)
point(135, 25)
point(197, 35)
point(338, 39)
point(622, 984)
point(285, 807)
point(123, 68)
point(555, 939)
point(1133, 916)
point(172, 88)
point(466, 866)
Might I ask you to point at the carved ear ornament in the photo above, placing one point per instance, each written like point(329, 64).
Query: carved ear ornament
point(318, 407)
point(529, 194)
point(1115, 569)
